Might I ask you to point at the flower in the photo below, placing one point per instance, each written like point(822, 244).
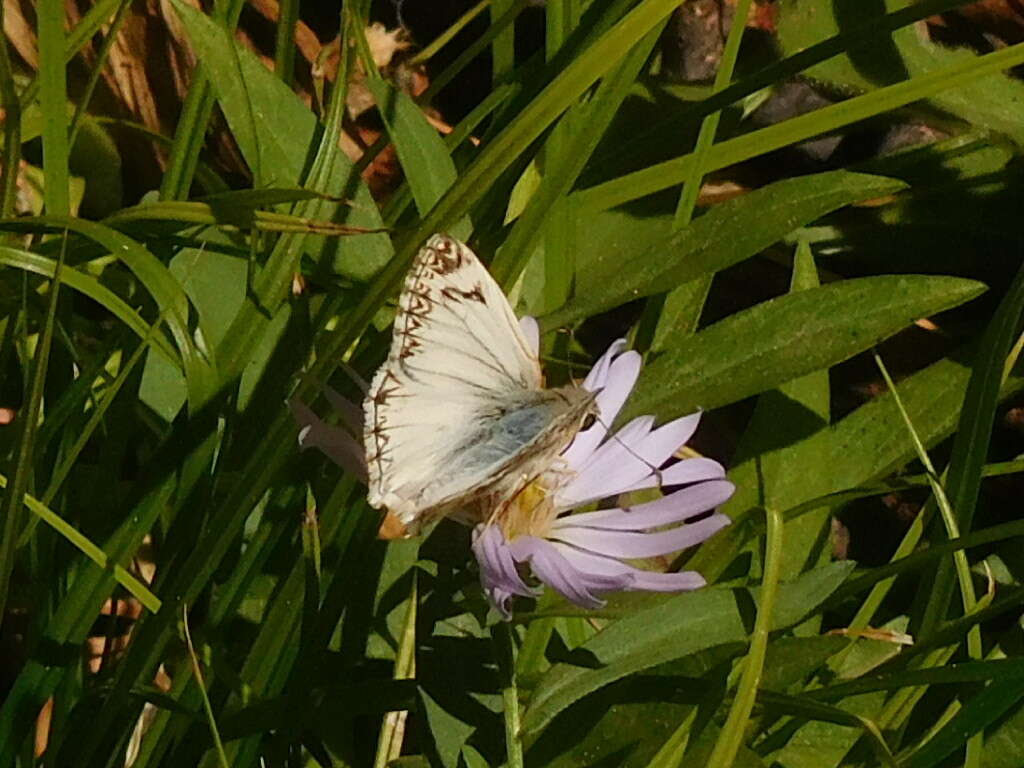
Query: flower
point(582, 556)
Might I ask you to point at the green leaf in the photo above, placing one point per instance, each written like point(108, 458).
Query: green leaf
point(991, 102)
point(275, 132)
point(974, 432)
point(677, 627)
point(626, 259)
point(425, 161)
point(664, 175)
point(791, 659)
point(449, 732)
point(777, 703)
point(196, 353)
point(89, 286)
point(215, 284)
point(778, 435)
point(787, 337)
point(977, 713)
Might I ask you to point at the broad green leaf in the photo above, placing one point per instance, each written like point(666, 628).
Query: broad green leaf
point(448, 731)
point(1004, 744)
point(791, 659)
point(819, 743)
point(622, 260)
point(623, 724)
point(425, 161)
point(862, 447)
point(776, 703)
point(215, 284)
point(991, 102)
point(276, 132)
point(777, 435)
point(677, 627)
point(788, 337)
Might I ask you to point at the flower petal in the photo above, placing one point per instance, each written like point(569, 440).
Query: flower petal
point(673, 508)
point(598, 374)
point(616, 464)
point(497, 565)
point(630, 544)
point(612, 377)
point(669, 582)
point(637, 579)
point(498, 574)
point(551, 567)
point(626, 458)
point(681, 473)
point(351, 414)
point(531, 332)
point(336, 443)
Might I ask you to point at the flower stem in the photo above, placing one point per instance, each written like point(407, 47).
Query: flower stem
point(731, 738)
point(505, 650)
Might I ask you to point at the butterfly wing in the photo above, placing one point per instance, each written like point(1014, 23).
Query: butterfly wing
point(460, 391)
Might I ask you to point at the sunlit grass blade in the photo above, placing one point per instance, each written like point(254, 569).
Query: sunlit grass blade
point(668, 174)
point(974, 430)
point(135, 588)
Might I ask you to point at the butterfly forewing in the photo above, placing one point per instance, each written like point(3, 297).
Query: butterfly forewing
point(458, 412)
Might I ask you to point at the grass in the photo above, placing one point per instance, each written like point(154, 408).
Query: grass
point(150, 349)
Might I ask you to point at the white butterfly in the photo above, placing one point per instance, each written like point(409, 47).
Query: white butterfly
point(457, 419)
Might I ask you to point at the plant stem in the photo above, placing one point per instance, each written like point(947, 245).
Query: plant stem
point(505, 650)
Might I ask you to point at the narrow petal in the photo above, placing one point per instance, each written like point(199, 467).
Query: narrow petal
point(637, 578)
point(553, 569)
point(659, 446)
point(630, 544)
point(598, 573)
point(598, 374)
point(497, 566)
point(627, 458)
point(350, 413)
point(336, 443)
point(673, 508)
point(615, 465)
point(613, 380)
point(669, 582)
point(531, 332)
point(681, 473)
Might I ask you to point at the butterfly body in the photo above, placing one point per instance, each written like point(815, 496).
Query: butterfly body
point(457, 419)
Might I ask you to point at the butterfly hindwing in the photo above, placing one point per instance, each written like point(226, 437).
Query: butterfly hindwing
point(459, 403)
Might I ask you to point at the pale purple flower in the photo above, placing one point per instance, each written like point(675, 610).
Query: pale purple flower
point(584, 555)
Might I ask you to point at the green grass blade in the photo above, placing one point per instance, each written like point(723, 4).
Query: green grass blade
point(199, 368)
point(734, 731)
point(12, 131)
point(136, 588)
point(53, 99)
point(974, 432)
point(668, 174)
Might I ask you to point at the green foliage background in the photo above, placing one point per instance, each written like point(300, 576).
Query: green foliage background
point(151, 355)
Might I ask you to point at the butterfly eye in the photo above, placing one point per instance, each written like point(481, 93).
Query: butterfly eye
point(588, 421)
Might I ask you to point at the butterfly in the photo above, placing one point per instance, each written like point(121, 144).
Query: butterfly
point(458, 421)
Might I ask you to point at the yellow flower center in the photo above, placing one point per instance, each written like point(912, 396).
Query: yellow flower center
point(529, 513)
